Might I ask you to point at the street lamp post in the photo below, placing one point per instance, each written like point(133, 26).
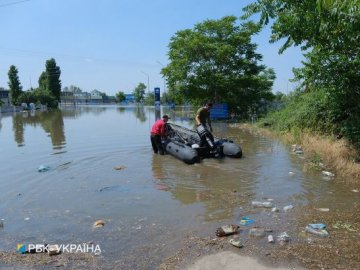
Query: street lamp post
point(148, 85)
point(164, 77)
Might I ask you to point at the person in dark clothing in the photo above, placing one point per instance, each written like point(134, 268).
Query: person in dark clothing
point(202, 118)
point(158, 131)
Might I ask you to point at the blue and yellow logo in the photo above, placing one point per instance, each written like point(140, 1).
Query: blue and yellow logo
point(21, 248)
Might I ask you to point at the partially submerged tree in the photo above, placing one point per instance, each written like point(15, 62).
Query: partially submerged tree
point(139, 92)
point(53, 83)
point(120, 96)
point(14, 85)
point(217, 60)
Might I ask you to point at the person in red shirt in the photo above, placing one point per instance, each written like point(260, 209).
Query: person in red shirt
point(157, 132)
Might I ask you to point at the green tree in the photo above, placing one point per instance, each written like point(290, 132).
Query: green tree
point(52, 78)
point(139, 92)
point(14, 85)
point(43, 81)
point(329, 32)
point(217, 60)
point(120, 96)
point(149, 98)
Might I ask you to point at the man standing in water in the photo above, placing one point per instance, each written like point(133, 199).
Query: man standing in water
point(202, 117)
point(157, 132)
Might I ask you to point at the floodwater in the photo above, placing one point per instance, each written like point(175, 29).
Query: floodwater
point(155, 201)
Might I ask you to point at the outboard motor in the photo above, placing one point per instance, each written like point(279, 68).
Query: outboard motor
point(204, 134)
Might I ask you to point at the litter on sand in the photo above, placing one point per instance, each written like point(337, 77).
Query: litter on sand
point(226, 230)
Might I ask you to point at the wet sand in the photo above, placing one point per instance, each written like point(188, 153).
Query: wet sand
point(228, 260)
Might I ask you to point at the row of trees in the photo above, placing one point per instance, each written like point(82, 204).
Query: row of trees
point(48, 91)
point(329, 33)
point(140, 96)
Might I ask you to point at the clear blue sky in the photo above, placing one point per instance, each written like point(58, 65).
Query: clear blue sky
point(112, 45)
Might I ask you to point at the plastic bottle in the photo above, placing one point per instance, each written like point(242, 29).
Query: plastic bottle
point(283, 237)
point(262, 204)
point(288, 207)
point(318, 232)
point(257, 232)
point(270, 239)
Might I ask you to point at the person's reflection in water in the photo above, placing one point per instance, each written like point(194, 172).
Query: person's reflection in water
point(158, 173)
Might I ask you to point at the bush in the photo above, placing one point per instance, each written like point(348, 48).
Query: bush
point(38, 96)
point(316, 111)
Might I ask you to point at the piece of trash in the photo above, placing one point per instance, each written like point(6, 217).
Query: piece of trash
point(291, 173)
point(270, 239)
point(318, 232)
point(226, 230)
point(53, 250)
point(299, 152)
point(246, 221)
point(323, 209)
point(236, 243)
point(195, 145)
point(43, 168)
point(257, 232)
point(288, 208)
point(27, 218)
point(262, 204)
point(346, 226)
point(283, 238)
point(355, 190)
point(118, 168)
point(326, 173)
point(296, 147)
point(99, 223)
point(318, 226)
point(274, 209)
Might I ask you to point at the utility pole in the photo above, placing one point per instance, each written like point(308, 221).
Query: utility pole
point(164, 77)
point(148, 85)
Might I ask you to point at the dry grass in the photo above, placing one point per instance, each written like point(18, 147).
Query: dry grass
point(336, 154)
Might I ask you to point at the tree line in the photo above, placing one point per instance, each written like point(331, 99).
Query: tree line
point(48, 91)
point(328, 31)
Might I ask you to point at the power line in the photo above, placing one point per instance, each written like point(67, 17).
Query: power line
point(13, 3)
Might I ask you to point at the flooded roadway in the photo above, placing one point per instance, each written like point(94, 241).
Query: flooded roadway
point(156, 201)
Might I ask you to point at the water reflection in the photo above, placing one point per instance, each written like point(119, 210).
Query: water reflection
point(140, 113)
point(219, 190)
point(52, 123)
point(157, 113)
point(121, 109)
point(18, 128)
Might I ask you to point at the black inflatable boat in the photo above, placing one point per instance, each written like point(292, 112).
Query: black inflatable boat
point(191, 146)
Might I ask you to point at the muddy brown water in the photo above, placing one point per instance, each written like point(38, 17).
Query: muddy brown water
point(154, 202)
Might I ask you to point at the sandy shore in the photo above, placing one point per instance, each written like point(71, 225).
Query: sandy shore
point(228, 260)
